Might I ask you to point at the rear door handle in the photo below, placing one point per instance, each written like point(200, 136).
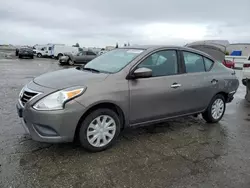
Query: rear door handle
point(175, 85)
point(214, 81)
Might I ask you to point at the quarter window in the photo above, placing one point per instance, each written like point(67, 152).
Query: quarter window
point(161, 63)
point(193, 62)
point(208, 63)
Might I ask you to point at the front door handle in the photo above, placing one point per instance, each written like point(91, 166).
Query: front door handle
point(175, 85)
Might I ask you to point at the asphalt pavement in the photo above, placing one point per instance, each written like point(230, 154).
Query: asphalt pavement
point(185, 152)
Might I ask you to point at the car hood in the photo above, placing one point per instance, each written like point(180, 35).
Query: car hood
point(68, 78)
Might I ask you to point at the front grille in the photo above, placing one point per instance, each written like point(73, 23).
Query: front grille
point(27, 95)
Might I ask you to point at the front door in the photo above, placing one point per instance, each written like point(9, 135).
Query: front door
point(159, 96)
point(90, 56)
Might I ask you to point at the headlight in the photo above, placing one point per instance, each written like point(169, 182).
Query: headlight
point(21, 93)
point(56, 101)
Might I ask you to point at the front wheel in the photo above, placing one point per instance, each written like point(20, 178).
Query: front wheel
point(99, 130)
point(39, 55)
point(215, 110)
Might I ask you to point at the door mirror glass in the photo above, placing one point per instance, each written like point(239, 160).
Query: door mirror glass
point(142, 73)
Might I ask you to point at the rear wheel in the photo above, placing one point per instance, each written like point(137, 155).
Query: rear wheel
point(20, 56)
point(215, 110)
point(99, 130)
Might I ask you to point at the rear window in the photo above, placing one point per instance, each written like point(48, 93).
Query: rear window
point(90, 53)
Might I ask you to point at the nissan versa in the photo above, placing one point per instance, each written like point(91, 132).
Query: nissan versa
point(125, 87)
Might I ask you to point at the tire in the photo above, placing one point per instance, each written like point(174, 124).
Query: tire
point(32, 57)
point(39, 55)
point(71, 62)
point(244, 82)
point(219, 110)
point(85, 129)
point(19, 56)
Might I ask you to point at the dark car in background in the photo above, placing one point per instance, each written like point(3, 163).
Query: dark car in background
point(80, 58)
point(25, 52)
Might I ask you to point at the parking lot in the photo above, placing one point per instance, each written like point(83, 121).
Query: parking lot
point(180, 153)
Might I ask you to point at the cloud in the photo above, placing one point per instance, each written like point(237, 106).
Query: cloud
point(101, 23)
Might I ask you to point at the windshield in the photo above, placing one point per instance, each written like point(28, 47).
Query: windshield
point(113, 61)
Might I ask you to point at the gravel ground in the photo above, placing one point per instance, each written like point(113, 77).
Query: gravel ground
point(182, 153)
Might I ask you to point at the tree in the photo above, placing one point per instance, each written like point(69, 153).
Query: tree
point(125, 44)
point(117, 45)
point(128, 44)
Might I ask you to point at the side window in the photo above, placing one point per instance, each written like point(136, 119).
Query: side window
point(161, 63)
point(90, 53)
point(208, 63)
point(50, 48)
point(193, 62)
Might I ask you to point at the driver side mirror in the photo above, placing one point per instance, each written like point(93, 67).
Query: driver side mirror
point(142, 73)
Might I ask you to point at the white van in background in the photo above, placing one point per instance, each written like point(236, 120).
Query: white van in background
point(58, 50)
point(43, 50)
point(54, 50)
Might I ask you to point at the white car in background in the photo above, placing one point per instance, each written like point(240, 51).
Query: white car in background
point(246, 71)
point(102, 52)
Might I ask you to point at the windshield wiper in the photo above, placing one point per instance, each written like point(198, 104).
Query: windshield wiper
point(88, 69)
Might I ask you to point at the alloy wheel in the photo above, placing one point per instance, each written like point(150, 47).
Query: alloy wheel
point(217, 108)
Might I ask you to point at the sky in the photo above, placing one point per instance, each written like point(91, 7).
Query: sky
point(103, 23)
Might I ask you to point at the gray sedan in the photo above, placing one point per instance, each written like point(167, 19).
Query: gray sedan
point(80, 58)
point(125, 87)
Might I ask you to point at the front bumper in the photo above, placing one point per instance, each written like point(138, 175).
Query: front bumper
point(26, 54)
point(51, 126)
point(64, 60)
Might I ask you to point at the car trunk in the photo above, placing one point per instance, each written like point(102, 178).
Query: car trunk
point(211, 50)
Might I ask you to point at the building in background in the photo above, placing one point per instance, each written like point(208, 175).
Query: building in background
point(243, 47)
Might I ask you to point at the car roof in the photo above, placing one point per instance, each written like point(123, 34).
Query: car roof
point(155, 47)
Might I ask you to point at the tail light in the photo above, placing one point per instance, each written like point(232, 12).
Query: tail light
point(246, 65)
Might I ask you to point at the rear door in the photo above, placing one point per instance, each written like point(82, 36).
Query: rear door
point(198, 81)
point(80, 57)
point(90, 56)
